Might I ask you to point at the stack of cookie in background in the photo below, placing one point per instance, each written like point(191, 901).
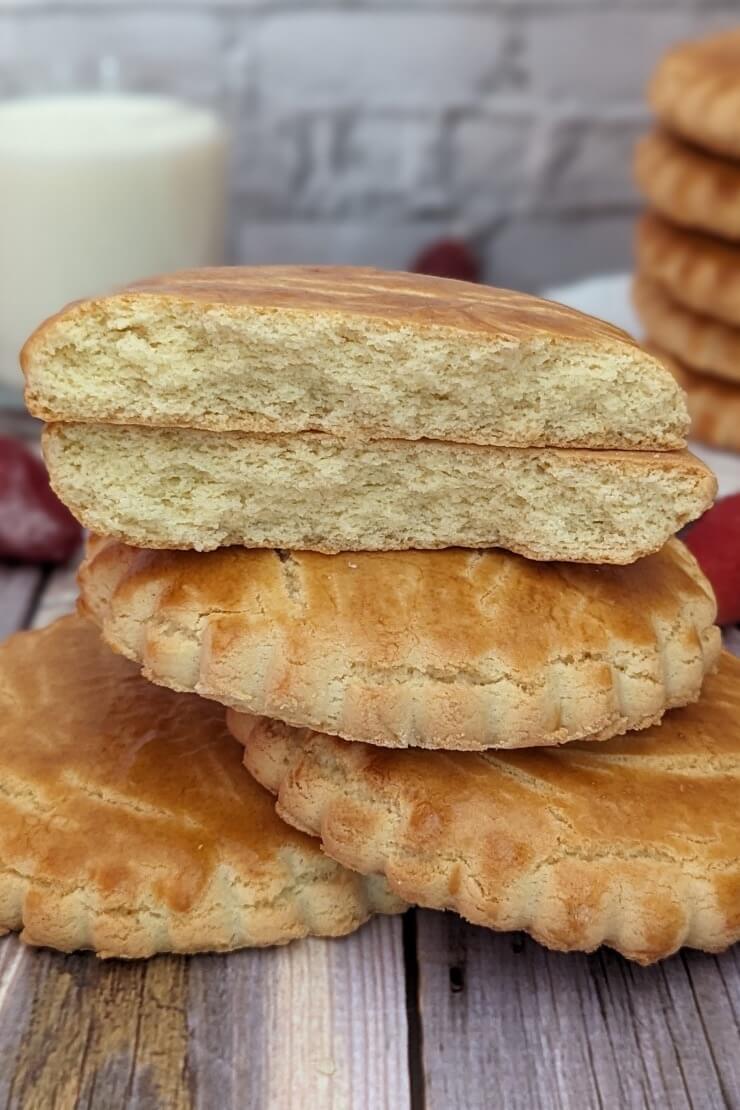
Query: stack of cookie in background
point(687, 288)
point(280, 462)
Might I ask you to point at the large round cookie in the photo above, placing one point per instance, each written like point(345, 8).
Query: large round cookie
point(705, 344)
point(448, 649)
point(178, 488)
point(352, 352)
point(634, 843)
point(695, 91)
point(127, 824)
point(697, 270)
point(714, 405)
point(689, 186)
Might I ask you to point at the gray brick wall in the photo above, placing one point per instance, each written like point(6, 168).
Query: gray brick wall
point(363, 129)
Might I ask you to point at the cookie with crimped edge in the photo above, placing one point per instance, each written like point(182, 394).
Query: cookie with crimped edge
point(179, 488)
point(704, 344)
point(696, 270)
point(128, 825)
point(714, 404)
point(634, 843)
point(689, 186)
point(358, 353)
point(695, 92)
point(450, 649)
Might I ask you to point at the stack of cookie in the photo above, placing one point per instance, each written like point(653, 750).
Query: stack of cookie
point(279, 463)
point(338, 410)
point(687, 288)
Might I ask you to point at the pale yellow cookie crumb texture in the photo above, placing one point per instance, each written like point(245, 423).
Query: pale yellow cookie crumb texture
point(476, 365)
point(179, 488)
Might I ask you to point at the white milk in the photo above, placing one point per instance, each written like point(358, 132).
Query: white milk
point(96, 191)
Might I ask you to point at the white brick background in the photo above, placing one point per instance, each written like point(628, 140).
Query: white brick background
point(363, 129)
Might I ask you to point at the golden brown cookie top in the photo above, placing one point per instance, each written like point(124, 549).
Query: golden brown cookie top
point(703, 342)
point(691, 187)
point(454, 648)
point(695, 90)
point(698, 270)
point(634, 843)
point(403, 299)
point(714, 404)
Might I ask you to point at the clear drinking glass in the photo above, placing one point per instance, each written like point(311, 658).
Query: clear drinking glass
point(97, 189)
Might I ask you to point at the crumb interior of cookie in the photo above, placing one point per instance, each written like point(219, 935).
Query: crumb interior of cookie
point(184, 488)
point(163, 363)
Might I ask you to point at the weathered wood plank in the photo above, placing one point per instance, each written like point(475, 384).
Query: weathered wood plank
point(506, 1023)
point(18, 588)
point(21, 601)
point(59, 594)
point(318, 1023)
point(71, 1026)
point(79, 1032)
point(731, 639)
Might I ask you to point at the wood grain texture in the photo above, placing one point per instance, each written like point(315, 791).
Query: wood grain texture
point(314, 1024)
point(505, 1020)
point(75, 1031)
point(19, 586)
point(731, 640)
point(59, 594)
point(318, 1023)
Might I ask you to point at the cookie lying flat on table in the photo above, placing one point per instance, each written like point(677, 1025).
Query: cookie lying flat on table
point(695, 91)
point(705, 344)
point(697, 270)
point(451, 649)
point(179, 488)
point(359, 353)
point(634, 843)
point(127, 824)
point(714, 404)
point(689, 186)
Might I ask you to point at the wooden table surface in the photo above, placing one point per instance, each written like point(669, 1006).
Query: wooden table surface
point(419, 1011)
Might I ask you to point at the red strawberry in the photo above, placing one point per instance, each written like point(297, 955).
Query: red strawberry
point(449, 258)
point(35, 526)
point(715, 542)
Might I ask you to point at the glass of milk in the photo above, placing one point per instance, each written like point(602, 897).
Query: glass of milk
point(97, 190)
